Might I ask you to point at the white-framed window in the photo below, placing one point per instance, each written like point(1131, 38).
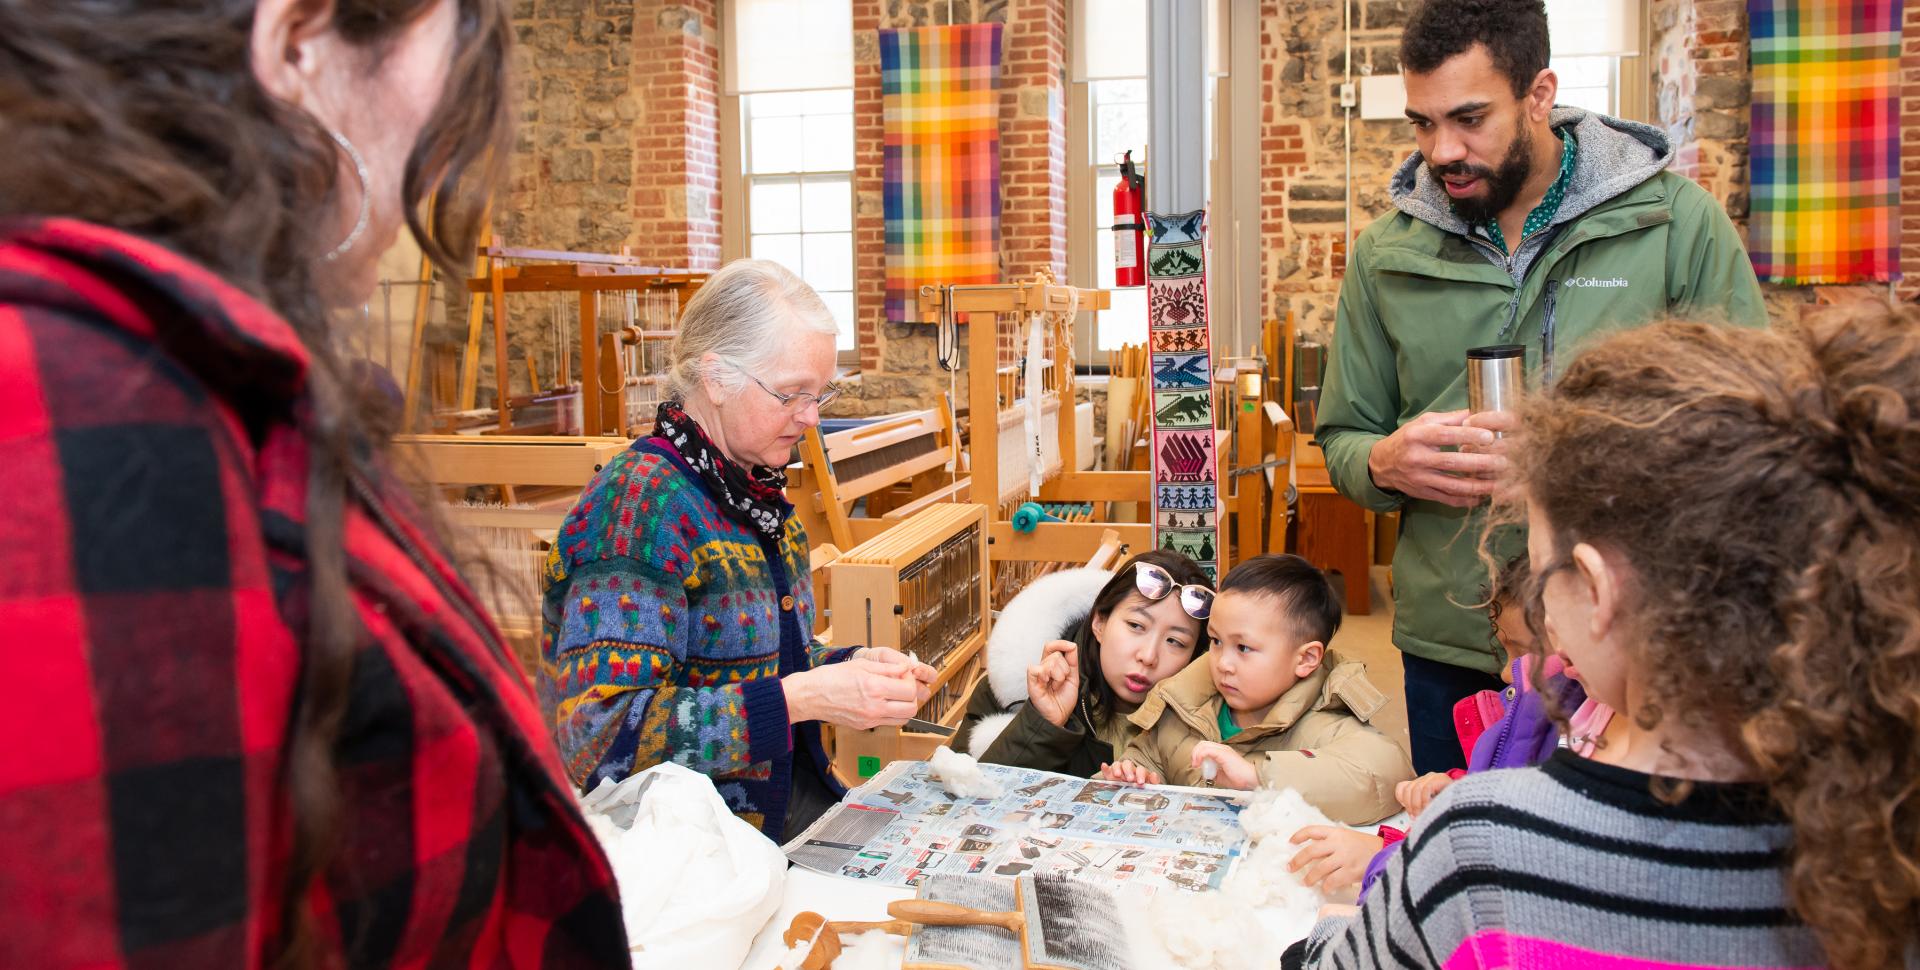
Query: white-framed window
point(786, 144)
point(1117, 121)
point(797, 168)
point(1590, 82)
point(1596, 46)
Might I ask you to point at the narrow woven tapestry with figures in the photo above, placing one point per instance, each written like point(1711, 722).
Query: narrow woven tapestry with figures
point(1186, 486)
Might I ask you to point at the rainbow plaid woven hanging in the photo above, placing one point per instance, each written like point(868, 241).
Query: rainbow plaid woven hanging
point(940, 92)
point(1826, 140)
point(1186, 472)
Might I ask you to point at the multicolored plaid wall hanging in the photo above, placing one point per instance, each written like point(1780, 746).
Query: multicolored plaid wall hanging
point(1186, 482)
point(940, 92)
point(1826, 140)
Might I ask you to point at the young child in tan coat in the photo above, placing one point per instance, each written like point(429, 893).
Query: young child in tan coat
point(1271, 707)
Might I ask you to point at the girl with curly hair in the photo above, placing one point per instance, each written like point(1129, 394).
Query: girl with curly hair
point(1723, 527)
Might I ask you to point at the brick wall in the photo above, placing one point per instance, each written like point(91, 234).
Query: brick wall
point(676, 138)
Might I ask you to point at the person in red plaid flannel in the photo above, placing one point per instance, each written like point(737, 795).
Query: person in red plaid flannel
point(251, 714)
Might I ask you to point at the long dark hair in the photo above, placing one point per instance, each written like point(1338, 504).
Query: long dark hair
point(146, 117)
point(1095, 693)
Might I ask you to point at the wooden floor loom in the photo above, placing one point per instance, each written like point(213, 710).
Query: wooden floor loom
point(513, 538)
point(1078, 502)
point(626, 313)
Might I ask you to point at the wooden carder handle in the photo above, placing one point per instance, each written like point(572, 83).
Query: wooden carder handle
point(930, 913)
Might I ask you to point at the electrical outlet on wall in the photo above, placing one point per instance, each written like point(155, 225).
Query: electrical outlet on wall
point(1348, 98)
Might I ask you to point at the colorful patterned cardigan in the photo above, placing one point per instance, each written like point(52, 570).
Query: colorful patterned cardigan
point(666, 627)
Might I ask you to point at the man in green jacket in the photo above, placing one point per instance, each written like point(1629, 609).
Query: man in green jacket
point(1517, 222)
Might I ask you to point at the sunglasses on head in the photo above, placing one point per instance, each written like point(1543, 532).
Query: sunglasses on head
point(1155, 583)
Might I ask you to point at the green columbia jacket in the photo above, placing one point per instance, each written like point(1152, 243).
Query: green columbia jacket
point(1632, 243)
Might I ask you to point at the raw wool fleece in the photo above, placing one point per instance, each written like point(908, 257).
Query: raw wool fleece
point(961, 776)
point(1228, 928)
point(1046, 610)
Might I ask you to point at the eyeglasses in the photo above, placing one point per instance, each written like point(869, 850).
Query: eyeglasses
point(798, 400)
point(1155, 584)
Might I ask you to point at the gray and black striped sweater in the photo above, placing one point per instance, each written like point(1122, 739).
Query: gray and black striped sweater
point(1574, 864)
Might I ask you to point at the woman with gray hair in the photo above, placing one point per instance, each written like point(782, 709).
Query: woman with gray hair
point(678, 609)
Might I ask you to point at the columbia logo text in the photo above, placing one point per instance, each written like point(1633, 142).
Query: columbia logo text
point(1591, 282)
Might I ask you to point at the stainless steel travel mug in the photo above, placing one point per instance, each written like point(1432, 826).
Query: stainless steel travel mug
point(1495, 377)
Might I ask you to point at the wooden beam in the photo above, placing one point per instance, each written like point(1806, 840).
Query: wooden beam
point(514, 460)
point(1132, 486)
point(1063, 541)
point(590, 422)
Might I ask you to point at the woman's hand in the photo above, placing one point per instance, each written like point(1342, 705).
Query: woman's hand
point(1335, 858)
point(859, 693)
point(894, 658)
point(1053, 684)
point(1416, 795)
point(1130, 773)
point(1235, 771)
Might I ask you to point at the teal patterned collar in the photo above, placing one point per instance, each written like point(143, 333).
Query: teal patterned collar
point(1542, 214)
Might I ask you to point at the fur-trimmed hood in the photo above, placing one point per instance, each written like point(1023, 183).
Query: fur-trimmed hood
point(1049, 608)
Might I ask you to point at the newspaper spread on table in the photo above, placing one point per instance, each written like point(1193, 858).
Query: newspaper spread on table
point(901, 826)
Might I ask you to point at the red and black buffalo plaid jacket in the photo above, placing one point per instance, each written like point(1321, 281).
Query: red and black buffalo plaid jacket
point(152, 487)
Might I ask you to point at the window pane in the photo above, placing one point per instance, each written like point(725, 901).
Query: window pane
point(780, 104)
point(828, 260)
point(776, 145)
point(826, 205)
point(841, 304)
point(1117, 128)
point(1126, 321)
point(1128, 89)
point(1598, 100)
point(782, 249)
point(774, 206)
point(1583, 72)
point(829, 143)
point(837, 101)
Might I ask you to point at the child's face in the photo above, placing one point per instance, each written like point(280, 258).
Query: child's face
point(1143, 642)
point(1580, 600)
point(1255, 655)
point(1510, 628)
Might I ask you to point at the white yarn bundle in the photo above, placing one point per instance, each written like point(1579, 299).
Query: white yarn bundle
point(961, 776)
point(1260, 908)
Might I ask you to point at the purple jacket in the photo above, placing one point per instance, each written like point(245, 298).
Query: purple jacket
point(1525, 735)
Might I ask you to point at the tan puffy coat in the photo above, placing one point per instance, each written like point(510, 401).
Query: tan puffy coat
point(1316, 740)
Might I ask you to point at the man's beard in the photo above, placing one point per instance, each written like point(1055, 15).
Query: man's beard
point(1502, 185)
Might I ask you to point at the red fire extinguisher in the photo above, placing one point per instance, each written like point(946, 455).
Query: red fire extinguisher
point(1129, 226)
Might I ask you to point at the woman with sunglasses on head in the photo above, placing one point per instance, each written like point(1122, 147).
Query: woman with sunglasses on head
point(678, 613)
point(1076, 652)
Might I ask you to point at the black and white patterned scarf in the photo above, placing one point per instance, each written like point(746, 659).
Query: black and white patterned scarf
point(754, 498)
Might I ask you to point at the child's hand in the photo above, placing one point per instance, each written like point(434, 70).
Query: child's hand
point(1130, 773)
point(1338, 911)
point(1053, 684)
point(1235, 770)
point(1417, 794)
point(1335, 858)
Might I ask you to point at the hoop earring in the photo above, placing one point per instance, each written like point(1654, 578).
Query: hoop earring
point(366, 196)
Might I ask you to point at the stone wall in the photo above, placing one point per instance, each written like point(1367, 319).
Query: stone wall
point(1302, 140)
point(617, 147)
